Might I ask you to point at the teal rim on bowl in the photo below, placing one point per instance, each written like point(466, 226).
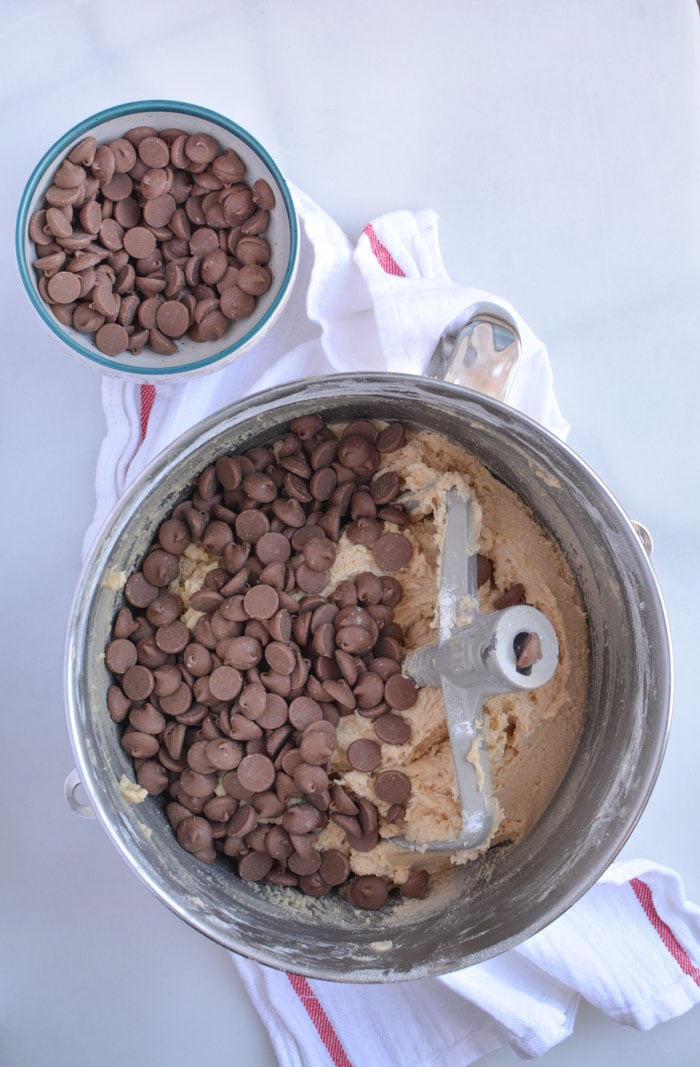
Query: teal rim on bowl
point(283, 235)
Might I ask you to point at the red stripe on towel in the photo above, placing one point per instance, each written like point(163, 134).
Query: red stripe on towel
point(318, 1017)
point(643, 894)
point(382, 254)
point(148, 396)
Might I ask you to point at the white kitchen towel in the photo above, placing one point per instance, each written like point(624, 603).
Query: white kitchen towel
point(631, 945)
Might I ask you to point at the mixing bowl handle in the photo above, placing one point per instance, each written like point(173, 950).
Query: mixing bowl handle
point(644, 536)
point(71, 787)
point(481, 353)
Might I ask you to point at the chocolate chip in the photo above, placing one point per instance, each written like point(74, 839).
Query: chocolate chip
point(339, 690)
point(260, 487)
point(323, 483)
point(388, 646)
point(330, 522)
point(364, 531)
point(392, 729)
point(256, 773)
point(251, 525)
point(64, 287)
point(391, 438)
point(385, 487)
point(290, 512)
point(198, 784)
point(138, 683)
point(179, 702)
point(354, 639)
point(160, 568)
point(514, 594)
point(120, 655)
point(349, 824)
point(274, 714)
point(364, 842)
point(164, 610)
point(254, 866)
point(112, 339)
point(173, 637)
point(364, 755)
point(216, 536)
point(304, 864)
point(484, 569)
point(393, 552)
point(219, 809)
point(273, 547)
point(310, 580)
point(124, 624)
point(368, 816)
point(323, 640)
point(302, 711)
point(335, 867)
point(207, 600)
point(416, 885)
point(139, 745)
point(319, 554)
point(367, 891)
point(400, 692)
point(194, 833)
point(153, 777)
point(393, 787)
point(224, 754)
point(353, 615)
point(317, 742)
point(174, 738)
point(358, 453)
point(396, 814)
point(263, 194)
point(118, 704)
point(528, 650)
point(369, 588)
point(311, 779)
point(261, 602)
point(360, 428)
point(225, 683)
point(369, 690)
point(147, 719)
point(301, 818)
point(280, 657)
point(342, 802)
point(138, 591)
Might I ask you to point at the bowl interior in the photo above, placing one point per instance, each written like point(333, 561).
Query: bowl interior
point(484, 907)
point(282, 234)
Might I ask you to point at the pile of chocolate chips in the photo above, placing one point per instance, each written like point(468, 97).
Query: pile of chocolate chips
point(234, 722)
point(152, 236)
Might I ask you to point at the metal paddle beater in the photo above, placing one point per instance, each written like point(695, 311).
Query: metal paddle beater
point(474, 659)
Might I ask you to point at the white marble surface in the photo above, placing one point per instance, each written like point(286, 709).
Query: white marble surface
point(560, 145)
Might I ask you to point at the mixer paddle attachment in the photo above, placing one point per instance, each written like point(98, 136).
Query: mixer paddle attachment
point(474, 659)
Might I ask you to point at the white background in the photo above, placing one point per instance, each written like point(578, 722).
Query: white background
point(559, 143)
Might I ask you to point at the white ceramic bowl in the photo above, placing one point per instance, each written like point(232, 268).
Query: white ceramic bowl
point(282, 234)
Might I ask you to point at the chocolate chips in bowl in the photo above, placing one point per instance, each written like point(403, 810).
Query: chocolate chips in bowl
point(231, 716)
point(157, 239)
point(475, 910)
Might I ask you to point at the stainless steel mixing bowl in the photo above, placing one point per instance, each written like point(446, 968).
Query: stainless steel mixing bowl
point(489, 905)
